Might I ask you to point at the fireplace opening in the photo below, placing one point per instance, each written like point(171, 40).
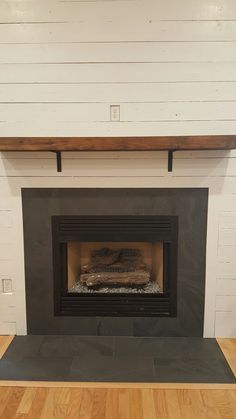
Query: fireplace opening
point(115, 265)
point(110, 267)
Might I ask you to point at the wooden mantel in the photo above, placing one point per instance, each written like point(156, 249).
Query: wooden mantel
point(170, 144)
point(209, 142)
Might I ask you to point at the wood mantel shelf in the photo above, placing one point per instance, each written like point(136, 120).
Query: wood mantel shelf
point(170, 144)
point(214, 142)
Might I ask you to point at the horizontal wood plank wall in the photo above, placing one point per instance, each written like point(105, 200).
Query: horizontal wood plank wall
point(171, 68)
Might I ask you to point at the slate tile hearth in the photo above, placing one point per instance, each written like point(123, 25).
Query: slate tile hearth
point(71, 346)
point(118, 359)
point(119, 369)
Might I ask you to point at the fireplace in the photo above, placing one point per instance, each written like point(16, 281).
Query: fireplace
point(115, 265)
point(70, 232)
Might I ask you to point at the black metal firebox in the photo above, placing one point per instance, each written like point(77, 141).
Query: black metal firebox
point(114, 229)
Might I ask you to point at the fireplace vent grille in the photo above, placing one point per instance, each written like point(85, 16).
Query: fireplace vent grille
point(140, 226)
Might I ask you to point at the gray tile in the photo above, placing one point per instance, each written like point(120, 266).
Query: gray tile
point(173, 347)
point(115, 326)
point(192, 370)
point(69, 346)
point(118, 369)
point(24, 346)
point(36, 369)
point(78, 358)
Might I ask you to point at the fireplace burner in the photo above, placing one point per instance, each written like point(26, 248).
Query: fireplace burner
point(115, 265)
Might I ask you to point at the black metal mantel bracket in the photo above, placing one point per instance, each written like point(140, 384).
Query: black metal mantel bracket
point(170, 160)
point(59, 164)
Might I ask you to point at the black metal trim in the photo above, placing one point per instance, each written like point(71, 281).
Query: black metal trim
point(115, 305)
point(170, 160)
point(115, 228)
point(58, 160)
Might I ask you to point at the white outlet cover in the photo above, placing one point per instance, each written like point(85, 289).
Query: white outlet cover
point(6, 285)
point(115, 113)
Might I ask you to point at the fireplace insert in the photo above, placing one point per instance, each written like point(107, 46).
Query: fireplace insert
point(115, 265)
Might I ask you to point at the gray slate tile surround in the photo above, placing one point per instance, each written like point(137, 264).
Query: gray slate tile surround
point(117, 359)
point(189, 204)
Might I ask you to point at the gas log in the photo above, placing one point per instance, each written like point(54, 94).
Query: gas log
point(115, 278)
point(124, 267)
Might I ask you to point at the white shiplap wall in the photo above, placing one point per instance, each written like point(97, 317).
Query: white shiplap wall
point(171, 66)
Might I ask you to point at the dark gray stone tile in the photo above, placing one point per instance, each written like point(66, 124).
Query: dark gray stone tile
point(193, 370)
point(180, 326)
point(69, 346)
point(24, 346)
point(115, 326)
point(118, 369)
point(35, 369)
point(189, 204)
point(76, 358)
point(172, 347)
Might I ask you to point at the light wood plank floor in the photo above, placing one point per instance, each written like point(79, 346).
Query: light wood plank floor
point(119, 401)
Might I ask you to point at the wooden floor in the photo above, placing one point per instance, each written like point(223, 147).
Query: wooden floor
point(119, 401)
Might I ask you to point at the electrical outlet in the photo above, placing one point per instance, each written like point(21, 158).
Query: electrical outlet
point(6, 285)
point(114, 113)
